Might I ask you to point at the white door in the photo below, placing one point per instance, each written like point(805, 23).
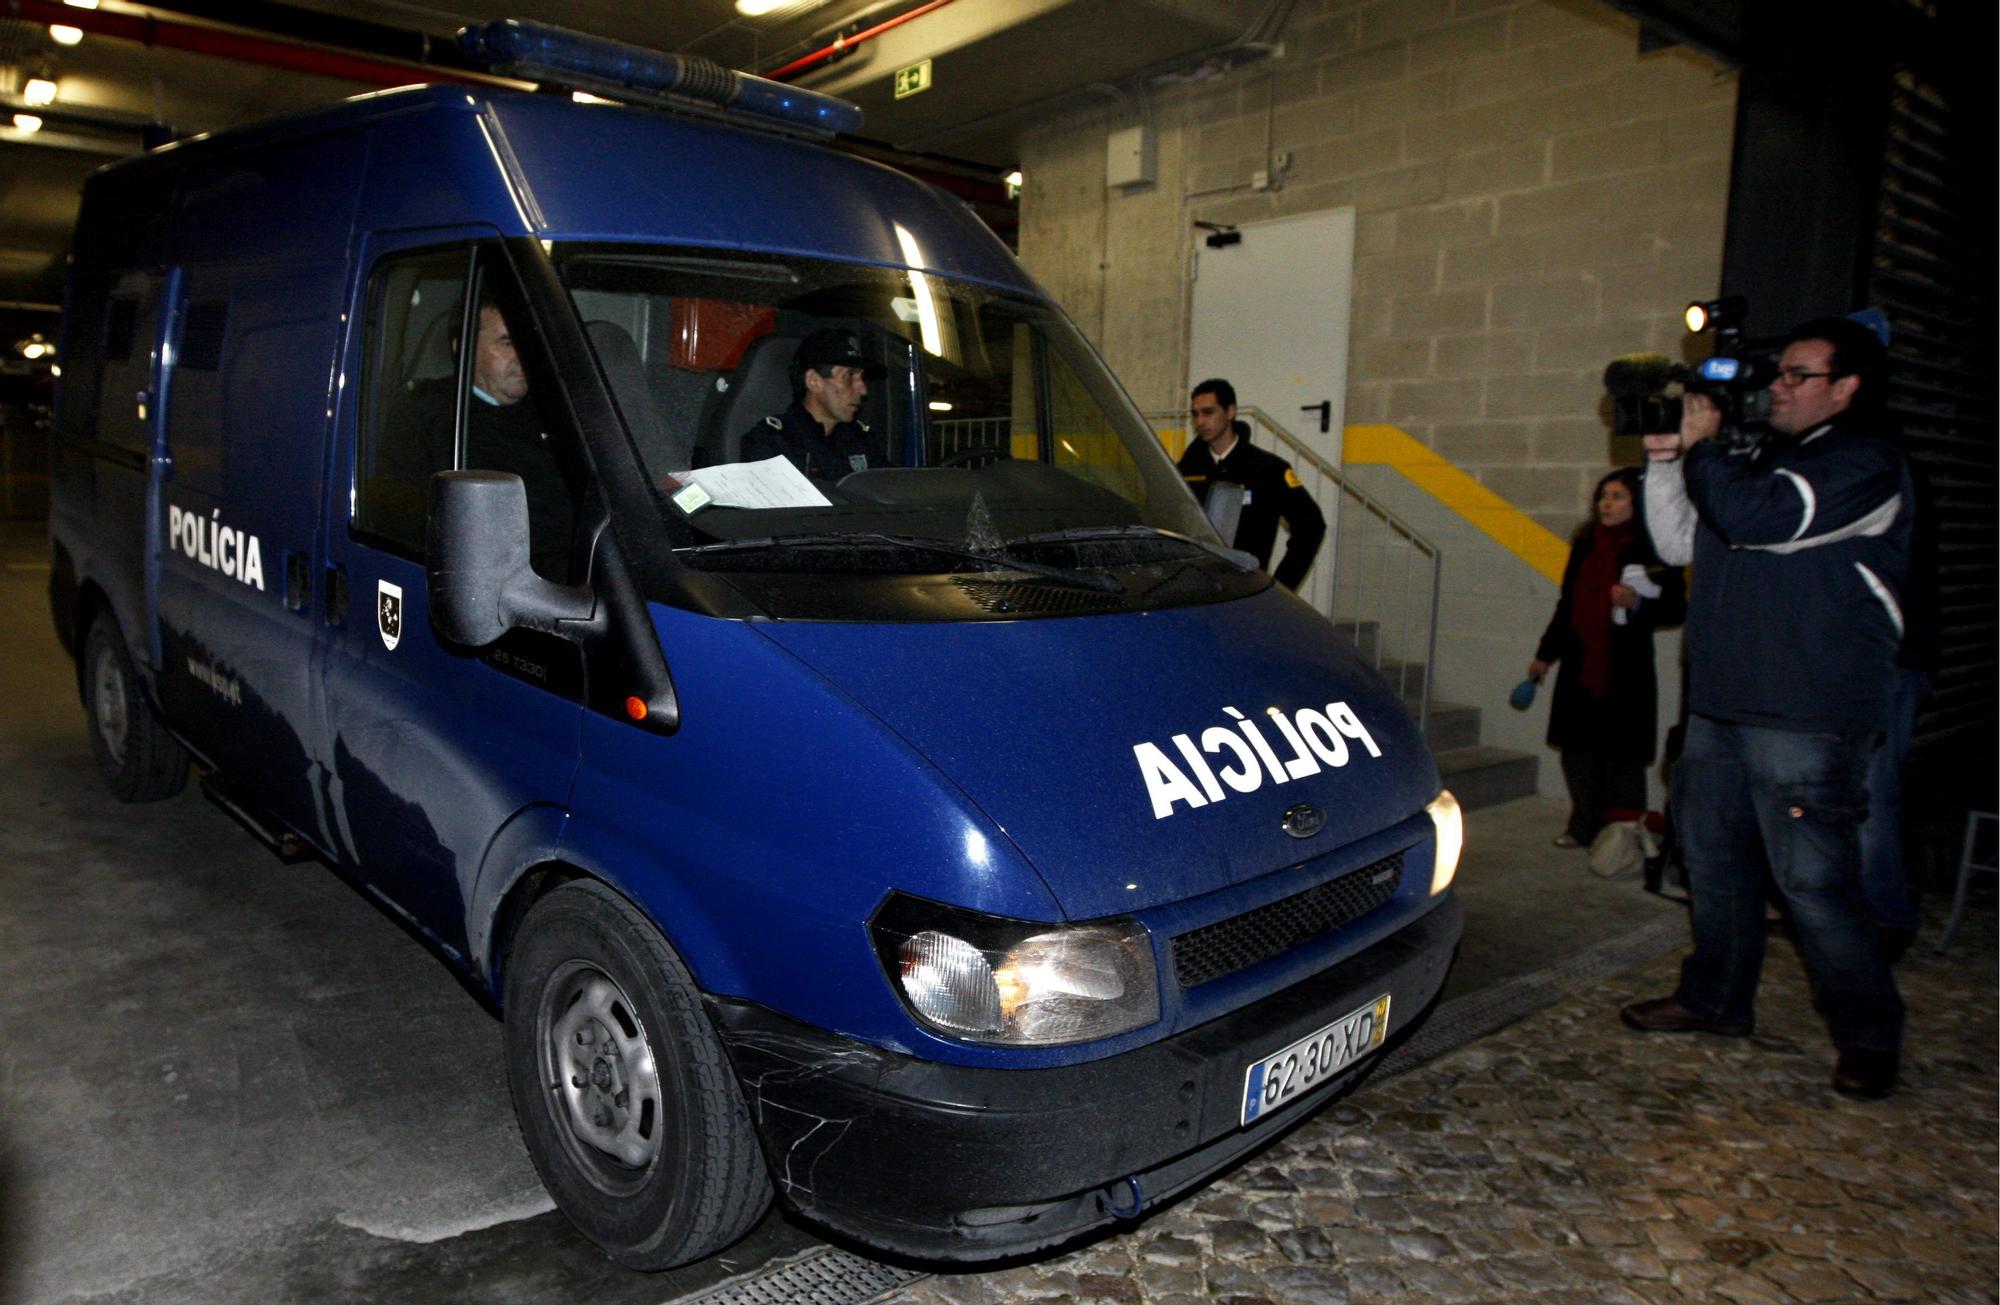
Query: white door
point(1271, 317)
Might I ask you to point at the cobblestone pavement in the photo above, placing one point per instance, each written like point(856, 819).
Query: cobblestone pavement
point(1568, 1159)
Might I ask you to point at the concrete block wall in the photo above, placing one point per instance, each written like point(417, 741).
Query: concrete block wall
point(1533, 197)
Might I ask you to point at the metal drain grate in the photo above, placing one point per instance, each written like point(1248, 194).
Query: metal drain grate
point(823, 1277)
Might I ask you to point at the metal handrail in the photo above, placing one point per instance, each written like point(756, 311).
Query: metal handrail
point(1373, 598)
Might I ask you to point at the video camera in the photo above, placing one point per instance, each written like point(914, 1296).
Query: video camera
point(1646, 388)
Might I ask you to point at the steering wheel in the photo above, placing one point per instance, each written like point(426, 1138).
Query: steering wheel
point(977, 456)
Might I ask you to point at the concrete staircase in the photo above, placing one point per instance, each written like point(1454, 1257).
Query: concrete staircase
point(1477, 775)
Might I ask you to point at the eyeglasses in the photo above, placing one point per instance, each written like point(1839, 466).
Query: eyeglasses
point(1793, 377)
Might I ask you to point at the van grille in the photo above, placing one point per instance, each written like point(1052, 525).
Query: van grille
point(1227, 946)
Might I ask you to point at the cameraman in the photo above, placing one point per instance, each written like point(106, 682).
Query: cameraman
point(1800, 550)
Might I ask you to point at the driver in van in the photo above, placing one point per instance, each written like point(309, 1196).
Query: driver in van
point(818, 432)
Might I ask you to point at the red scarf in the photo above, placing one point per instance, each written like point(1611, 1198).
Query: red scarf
point(1590, 603)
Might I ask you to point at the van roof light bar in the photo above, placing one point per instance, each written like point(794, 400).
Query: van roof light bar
point(540, 52)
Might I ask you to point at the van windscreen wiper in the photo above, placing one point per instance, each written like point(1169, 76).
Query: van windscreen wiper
point(918, 543)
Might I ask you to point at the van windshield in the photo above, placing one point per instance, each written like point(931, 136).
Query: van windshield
point(815, 416)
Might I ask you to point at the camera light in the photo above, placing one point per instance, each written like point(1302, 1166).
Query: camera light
point(1724, 314)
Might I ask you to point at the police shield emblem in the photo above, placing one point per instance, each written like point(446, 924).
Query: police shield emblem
point(389, 613)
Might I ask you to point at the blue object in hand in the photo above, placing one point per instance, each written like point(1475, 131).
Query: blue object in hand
point(1523, 696)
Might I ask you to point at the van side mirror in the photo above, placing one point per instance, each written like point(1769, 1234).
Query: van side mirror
point(480, 582)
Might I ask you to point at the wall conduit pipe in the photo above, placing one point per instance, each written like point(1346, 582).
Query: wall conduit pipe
point(843, 44)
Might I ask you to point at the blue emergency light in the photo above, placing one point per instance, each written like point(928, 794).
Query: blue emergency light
point(540, 52)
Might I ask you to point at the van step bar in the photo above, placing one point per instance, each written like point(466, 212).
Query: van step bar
point(285, 844)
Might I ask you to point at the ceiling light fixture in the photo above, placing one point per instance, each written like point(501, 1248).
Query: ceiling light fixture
point(81, 4)
point(63, 34)
point(765, 8)
point(38, 92)
point(26, 122)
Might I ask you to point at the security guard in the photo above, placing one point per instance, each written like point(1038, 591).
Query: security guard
point(1271, 489)
point(818, 432)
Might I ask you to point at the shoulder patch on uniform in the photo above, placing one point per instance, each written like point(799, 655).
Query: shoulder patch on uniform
point(1292, 480)
point(774, 423)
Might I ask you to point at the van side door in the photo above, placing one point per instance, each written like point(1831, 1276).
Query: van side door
point(245, 395)
point(429, 749)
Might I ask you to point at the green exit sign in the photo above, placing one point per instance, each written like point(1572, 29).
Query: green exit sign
point(910, 80)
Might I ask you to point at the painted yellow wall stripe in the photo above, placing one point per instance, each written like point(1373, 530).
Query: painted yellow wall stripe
point(1515, 531)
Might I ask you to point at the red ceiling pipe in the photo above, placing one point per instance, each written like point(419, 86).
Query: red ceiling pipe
point(849, 42)
point(227, 44)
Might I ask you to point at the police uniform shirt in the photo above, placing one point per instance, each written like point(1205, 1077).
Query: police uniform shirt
point(1271, 492)
point(814, 450)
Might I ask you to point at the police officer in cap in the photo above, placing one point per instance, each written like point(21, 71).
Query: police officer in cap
point(818, 432)
point(1271, 489)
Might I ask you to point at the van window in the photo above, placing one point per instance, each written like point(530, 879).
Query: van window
point(983, 418)
point(445, 388)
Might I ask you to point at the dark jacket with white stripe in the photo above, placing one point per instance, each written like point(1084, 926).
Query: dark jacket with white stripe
point(1801, 555)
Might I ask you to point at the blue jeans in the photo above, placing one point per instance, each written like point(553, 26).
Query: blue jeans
point(1883, 876)
point(1747, 798)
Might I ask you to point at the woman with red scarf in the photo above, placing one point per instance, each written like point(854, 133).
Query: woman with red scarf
point(1602, 716)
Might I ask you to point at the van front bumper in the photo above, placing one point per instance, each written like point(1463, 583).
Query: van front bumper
point(950, 1162)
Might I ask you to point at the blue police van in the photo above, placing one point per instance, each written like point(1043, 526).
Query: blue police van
point(699, 582)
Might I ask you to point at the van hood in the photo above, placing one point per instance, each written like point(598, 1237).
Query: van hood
point(1142, 758)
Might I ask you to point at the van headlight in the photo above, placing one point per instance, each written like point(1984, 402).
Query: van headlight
point(985, 978)
point(1450, 825)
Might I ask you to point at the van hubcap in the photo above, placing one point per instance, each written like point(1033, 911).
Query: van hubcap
point(109, 697)
point(603, 1067)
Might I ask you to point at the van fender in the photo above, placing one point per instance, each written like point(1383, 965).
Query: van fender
point(580, 849)
point(530, 838)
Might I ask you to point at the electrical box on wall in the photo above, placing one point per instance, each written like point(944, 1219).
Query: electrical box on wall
point(1128, 157)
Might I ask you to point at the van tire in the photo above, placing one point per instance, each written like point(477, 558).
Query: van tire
point(139, 760)
point(658, 1169)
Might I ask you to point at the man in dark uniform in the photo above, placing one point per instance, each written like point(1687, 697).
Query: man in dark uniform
point(818, 432)
point(1271, 489)
point(503, 432)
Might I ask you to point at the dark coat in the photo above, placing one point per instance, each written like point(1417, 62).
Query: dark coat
point(1272, 491)
point(1624, 723)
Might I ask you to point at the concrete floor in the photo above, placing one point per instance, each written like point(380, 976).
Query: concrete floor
point(225, 1079)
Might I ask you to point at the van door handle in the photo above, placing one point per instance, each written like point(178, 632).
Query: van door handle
point(336, 595)
point(298, 581)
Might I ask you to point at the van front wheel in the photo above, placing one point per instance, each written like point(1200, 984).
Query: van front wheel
point(622, 1090)
point(139, 760)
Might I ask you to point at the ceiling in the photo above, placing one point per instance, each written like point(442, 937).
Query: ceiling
point(200, 65)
